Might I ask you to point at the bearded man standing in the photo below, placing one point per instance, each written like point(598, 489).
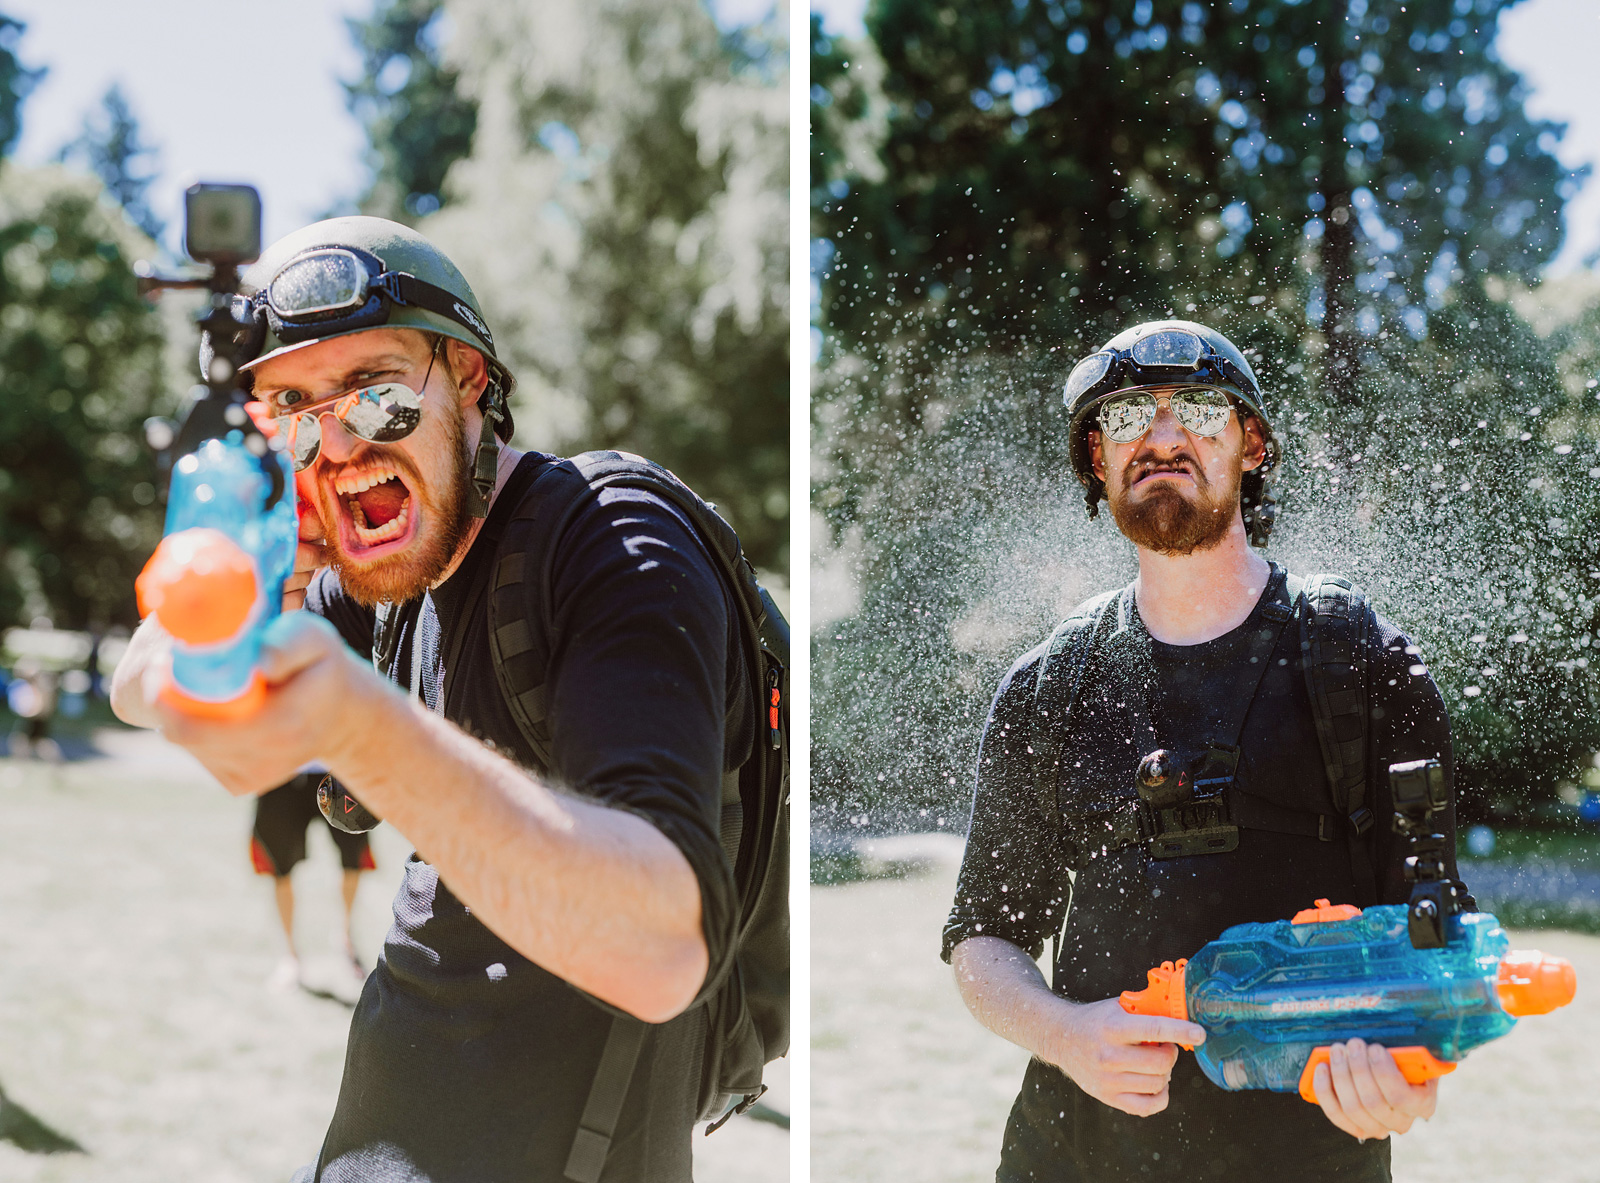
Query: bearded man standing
point(556, 892)
point(1202, 653)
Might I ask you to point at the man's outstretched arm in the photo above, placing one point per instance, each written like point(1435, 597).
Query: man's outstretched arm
point(1120, 1059)
point(597, 896)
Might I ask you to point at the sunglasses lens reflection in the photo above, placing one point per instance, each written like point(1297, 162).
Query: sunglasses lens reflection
point(1126, 419)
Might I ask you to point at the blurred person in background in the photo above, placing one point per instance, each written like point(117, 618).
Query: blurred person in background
point(32, 697)
point(1201, 652)
point(278, 845)
point(553, 903)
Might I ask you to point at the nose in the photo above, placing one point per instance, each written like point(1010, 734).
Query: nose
point(338, 444)
point(1166, 434)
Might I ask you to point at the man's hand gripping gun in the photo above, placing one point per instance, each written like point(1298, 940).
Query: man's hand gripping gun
point(216, 580)
point(1427, 980)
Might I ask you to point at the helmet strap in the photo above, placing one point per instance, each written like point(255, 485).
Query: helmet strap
point(485, 463)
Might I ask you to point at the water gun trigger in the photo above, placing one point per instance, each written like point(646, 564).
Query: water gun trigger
point(1417, 1064)
point(1163, 996)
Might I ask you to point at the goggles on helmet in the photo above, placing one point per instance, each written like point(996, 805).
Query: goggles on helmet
point(1166, 358)
point(337, 289)
point(1202, 410)
point(379, 414)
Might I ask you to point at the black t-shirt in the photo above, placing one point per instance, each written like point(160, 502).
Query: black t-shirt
point(467, 1062)
point(1130, 912)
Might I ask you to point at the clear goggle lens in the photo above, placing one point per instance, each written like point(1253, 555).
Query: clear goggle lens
point(378, 414)
point(1169, 347)
point(1086, 373)
point(320, 281)
point(1202, 410)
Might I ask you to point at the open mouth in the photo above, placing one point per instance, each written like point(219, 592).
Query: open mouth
point(377, 507)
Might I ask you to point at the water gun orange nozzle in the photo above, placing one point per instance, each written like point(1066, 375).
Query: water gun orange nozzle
point(1164, 994)
point(201, 586)
point(1532, 983)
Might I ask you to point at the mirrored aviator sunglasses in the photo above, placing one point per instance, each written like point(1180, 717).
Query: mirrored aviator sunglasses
point(1201, 410)
point(378, 414)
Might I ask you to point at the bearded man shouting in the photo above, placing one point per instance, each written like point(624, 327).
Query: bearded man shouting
point(556, 895)
point(1202, 656)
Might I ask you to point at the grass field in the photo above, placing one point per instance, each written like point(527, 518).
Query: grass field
point(906, 1085)
point(134, 947)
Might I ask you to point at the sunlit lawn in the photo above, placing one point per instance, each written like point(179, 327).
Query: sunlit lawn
point(134, 947)
point(906, 1085)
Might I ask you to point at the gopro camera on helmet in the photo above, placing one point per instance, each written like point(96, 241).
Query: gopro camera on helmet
point(222, 224)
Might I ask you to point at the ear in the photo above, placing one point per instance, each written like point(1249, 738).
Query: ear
point(1097, 455)
point(1255, 443)
point(468, 367)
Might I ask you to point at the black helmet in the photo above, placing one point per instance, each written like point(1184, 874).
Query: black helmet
point(1167, 353)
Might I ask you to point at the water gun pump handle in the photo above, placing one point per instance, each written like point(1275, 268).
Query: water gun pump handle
point(1417, 1064)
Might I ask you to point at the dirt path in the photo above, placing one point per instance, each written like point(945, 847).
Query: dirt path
point(906, 1085)
point(134, 947)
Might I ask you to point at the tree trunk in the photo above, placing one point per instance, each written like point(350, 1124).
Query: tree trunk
point(1339, 237)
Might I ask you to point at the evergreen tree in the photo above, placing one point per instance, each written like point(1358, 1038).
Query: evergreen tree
point(418, 123)
point(1097, 156)
point(112, 148)
point(80, 352)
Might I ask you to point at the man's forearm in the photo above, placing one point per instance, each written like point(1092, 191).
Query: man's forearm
point(1005, 991)
point(595, 895)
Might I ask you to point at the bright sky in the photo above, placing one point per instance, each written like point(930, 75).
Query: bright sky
point(229, 90)
point(1554, 43)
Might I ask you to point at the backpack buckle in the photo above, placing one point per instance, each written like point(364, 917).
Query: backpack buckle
point(744, 1104)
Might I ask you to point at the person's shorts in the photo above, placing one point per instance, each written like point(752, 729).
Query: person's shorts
point(278, 841)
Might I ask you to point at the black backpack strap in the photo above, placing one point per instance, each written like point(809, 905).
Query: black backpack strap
point(1337, 629)
point(1055, 692)
point(598, 1125)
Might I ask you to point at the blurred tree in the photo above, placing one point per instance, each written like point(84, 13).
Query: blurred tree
point(624, 217)
point(80, 357)
point(16, 81)
point(418, 123)
point(112, 148)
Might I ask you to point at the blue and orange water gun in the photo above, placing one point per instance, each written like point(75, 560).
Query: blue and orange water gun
point(1429, 980)
point(216, 580)
point(1274, 997)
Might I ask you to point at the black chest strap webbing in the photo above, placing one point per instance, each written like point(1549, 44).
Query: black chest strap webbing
point(1336, 628)
point(1123, 822)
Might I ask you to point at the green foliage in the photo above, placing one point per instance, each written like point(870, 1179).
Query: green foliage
point(15, 83)
point(80, 359)
point(1048, 172)
point(1049, 163)
point(623, 215)
point(417, 121)
point(112, 148)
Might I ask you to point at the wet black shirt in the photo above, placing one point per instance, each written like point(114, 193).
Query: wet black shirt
point(467, 1062)
point(1130, 912)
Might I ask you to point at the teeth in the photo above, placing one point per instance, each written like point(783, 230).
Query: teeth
point(357, 513)
point(384, 533)
point(357, 482)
